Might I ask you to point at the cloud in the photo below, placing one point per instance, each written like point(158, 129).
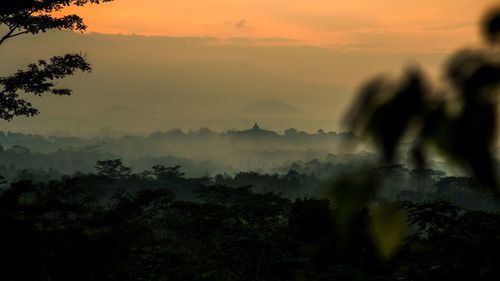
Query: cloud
point(238, 24)
point(450, 26)
point(260, 41)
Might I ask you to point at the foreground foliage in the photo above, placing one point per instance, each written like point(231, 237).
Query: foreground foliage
point(79, 228)
point(19, 17)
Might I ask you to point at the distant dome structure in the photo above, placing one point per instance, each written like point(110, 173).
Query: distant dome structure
point(256, 127)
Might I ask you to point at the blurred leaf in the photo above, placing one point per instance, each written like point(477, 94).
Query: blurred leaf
point(388, 228)
point(349, 194)
point(491, 26)
point(385, 109)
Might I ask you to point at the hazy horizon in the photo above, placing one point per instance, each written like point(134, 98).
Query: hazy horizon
point(147, 83)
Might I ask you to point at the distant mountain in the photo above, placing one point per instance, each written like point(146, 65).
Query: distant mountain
point(272, 108)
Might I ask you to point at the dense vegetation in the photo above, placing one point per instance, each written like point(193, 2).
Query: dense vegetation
point(118, 225)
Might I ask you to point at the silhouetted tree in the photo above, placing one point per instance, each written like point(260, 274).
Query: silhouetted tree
point(172, 174)
point(32, 17)
point(113, 169)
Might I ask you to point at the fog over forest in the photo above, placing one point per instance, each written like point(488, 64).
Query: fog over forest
point(201, 152)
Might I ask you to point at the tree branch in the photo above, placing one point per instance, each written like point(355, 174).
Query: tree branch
point(7, 36)
point(19, 33)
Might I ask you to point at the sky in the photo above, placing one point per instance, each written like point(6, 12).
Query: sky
point(162, 64)
point(383, 25)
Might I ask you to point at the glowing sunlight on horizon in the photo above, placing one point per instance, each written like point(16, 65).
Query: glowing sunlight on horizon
point(386, 25)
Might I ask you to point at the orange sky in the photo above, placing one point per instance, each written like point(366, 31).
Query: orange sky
point(382, 25)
